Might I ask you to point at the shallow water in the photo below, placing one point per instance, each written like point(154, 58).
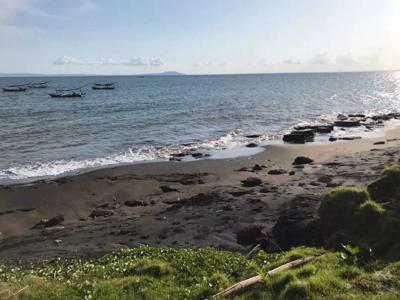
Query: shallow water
point(149, 118)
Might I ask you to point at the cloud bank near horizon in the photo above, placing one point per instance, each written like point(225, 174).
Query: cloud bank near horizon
point(133, 62)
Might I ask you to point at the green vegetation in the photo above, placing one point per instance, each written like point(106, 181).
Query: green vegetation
point(160, 273)
point(354, 216)
point(387, 187)
point(363, 266)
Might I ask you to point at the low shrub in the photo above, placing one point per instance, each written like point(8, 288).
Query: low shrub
point(387, 187)
point(338, 208)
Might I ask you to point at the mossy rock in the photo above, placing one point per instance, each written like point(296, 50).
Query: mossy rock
point(338, 208)
point(367, 218)
point(387, 187)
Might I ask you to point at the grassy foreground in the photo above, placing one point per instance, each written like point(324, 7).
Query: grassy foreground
point(368, 267)
point(160, 273)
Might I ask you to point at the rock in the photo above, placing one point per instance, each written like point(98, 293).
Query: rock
point(299, 136)
point(101, 213)
point(174, 159)
point(291, 173)
point(253, 136)
point(251, 145)
point(348, 123)
point(201, 199)
point(249, 234)
point(57, 242)
point(357, 116)
point(324, 129)
point(350, 138)
point(251, 181)
point(239, 193)
point(341, 117)
point(54, 221)
point(132, 203)
point(296, 224)
point(269, 189)
point(277, 172)
point(200, 155)
point(301, 160)
point(333, 139)
point(379, 143)
point(168, 189)
point(325, 179)
point(257, 167)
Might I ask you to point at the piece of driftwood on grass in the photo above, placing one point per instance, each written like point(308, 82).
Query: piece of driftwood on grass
point(242, 285)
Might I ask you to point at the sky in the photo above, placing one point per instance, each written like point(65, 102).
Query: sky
point(198, 36)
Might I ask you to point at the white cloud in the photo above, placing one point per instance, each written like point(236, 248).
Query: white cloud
point(320, 59)
point(209, 64)
point(135, 62)
point(291, 62)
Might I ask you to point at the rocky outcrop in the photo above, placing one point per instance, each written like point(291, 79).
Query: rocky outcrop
point(299, 136)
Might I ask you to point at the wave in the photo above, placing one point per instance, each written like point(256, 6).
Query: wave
point(234, 139)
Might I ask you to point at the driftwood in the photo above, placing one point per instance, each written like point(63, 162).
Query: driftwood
point(242, 285)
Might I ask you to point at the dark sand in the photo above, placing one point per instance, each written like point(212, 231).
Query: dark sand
point(220, 206)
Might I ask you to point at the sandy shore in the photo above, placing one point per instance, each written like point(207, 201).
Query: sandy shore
point(199, 203)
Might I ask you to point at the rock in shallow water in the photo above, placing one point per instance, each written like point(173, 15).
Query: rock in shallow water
point(299, 136)
point(251, 145)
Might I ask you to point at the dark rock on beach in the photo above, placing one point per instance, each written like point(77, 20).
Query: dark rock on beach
point(257, 167)
point(168, 189)
point(277, 172)
point(132, 203)
point(251, 181)
point(54, 221)
point(301, 160)
point(101, 213)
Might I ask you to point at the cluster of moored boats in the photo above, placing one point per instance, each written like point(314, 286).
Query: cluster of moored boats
point(58, 93)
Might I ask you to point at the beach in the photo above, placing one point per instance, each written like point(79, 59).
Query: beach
point(210, 202)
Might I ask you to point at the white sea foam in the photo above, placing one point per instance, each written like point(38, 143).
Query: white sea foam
point(231, 140)
point(132, 155)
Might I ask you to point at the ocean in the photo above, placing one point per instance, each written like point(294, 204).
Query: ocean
point(149, 118)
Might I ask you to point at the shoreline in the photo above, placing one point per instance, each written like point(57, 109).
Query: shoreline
point(235, 153)
point(198, 203)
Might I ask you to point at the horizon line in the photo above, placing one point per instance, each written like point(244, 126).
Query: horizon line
point(163, 73)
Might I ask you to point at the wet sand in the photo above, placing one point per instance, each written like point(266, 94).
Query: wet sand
point(182, 204)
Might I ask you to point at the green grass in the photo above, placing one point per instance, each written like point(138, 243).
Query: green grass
point(161, 273)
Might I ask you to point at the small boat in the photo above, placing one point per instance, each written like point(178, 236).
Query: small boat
point(103, 86)
point(70, 93)
point(16, 88)
point(39, 85)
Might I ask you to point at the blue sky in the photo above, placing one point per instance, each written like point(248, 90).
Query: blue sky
point(198, 37)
